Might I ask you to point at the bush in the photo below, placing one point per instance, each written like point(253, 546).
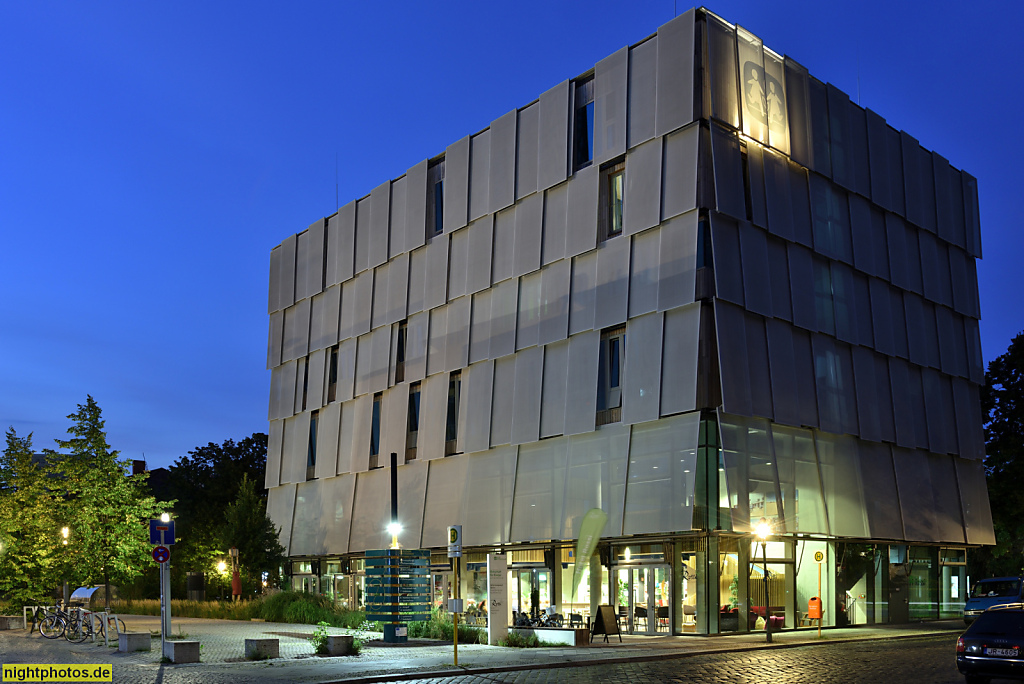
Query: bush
point(286, 606)
point(441, 627)
point(517, 639)
point(319, 638)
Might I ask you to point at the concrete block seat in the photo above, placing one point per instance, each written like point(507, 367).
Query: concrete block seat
point(129, 642)
point(259, 649)
point(339, 644)
point(12, 622)
point(183, 651)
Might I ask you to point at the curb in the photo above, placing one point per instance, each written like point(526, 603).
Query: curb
point(464, 672)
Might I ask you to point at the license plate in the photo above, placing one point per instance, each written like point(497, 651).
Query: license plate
point(1010, 652)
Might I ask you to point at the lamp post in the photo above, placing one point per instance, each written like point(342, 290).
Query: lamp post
point(65, 533)
point(763, 531)
point(222, 568)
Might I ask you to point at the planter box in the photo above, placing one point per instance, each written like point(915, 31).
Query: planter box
point(261, 649)
point(129, 642)
point(340, 645)
point(12, 622)
point(557, 635)
point(183, 651)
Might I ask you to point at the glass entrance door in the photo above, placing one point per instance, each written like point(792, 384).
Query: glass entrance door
point(643, 599)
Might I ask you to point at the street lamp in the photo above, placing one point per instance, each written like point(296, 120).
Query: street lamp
point(165, 517)
point(763, 531)
point(65, 532)
point(394, 529)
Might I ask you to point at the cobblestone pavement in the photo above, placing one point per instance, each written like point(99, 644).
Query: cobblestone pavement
point(921, 653)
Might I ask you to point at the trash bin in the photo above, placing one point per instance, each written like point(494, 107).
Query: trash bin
point(814, 608)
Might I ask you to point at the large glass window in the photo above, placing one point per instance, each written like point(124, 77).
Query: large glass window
point(583, 124)
point(375, 432)
point(451, 430)
point(435, 198)
point(314, 419)
point(612, 195)
point(923, 582)
point(612, 357)
point(412, 436)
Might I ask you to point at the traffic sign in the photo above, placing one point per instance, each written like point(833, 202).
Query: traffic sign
point(161, 554)
point(161, 532)
point(819, 556)
point(455, 541)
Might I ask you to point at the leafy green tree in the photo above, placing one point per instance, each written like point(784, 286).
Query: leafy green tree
point(29, 532)
point(1002, 403)
point(205, 483)
point(248, 529)
point(106, 507)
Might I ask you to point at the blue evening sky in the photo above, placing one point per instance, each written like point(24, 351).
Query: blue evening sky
point(152, 154)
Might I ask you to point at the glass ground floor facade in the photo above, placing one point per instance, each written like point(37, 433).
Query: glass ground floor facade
point(707, 583)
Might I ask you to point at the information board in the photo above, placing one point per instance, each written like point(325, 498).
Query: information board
point(605, 623)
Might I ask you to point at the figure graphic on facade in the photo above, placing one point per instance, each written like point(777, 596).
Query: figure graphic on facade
point(755, 93)
point(776, 117)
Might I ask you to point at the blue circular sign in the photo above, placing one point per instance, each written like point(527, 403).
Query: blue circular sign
point(161, 554)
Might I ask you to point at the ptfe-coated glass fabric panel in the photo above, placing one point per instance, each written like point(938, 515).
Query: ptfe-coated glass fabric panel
point(758, 366)
point(479, 388)
point(750, 473)
point(612, 282)
point(275, 340)
point(675, 74)
point(274, 293)
point(479, 180)
point(310, 261)
point(662, 467)
point(757, 285)
point(839, 462)
point(882, 500)
point(801, 203)
point(373, 501)
point(416, 345)
point(433, 415)
point(380, 296)
point(922, 520)
point(753, 86)
point(503, 404)
point(881, 192)
point(581, 405)
point(526, 248)
point(597, 478)
point(399, 209)
point(286, 274)
point(456, 185)
point(863, 235)
point(974, 501)
point(778, 196)
point(296, 331)
point(643, 79)
point(280, 507)
point(528, 320)
point(328, 432)
point(868, 406)
point(504, 244)
point(581, 228)
point(489, 487)
point(798, 113)
point(830, 219)
point(481, 235)
point(436, 358)
point(457, 342)
point(610, 76)
point(554, 302)
point(583, 297)
point(504, 306)
point(556, 203)
point(398, 288)
point(362, 244)
point(679, 173)
point(275, 444)
point(527, 150)
point(799, 480)
point(822, 162)
point(972, 214)
point(436, 279)
point(502, 179)
point(642, 202)
point(782, 365)
point(540, 488)
point(416, 206)
point(643, 281)
point(526, 404)
point(336, 495)
point(307, 535)
point(803, 354)
point(726, 248)
point(316, 375)
point(968, 417)
point(296, 442)
point(729, 182)
point(732, 358)
point(902, 400)
point(755, 177)
point(778, 275)
point(445, 500)
point(553, 147)
point(775, 99)
point(326, 309)
point(859, 144)
point(458, 264)
point(380, 214)
point(801, 287)
point(940, 422)
point(417, 280)
point(722, 67)
point(679, 359)
point(677, 271)
point(553, 392)
point(841, 148)
point(380, 350)
point(346, 369)
point(480, 327)
point(641, 393)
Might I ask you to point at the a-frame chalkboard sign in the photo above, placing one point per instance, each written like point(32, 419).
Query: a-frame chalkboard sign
point(605, 623)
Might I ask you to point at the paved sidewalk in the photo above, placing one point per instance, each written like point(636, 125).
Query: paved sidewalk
point(223, 652)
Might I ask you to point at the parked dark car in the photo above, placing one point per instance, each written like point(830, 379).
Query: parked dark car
point(993, 646)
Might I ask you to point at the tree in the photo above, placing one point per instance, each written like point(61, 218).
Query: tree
point(106, 507)
point(248, 529)
point(29, 533)
point(205, 483)
point(1002, 403)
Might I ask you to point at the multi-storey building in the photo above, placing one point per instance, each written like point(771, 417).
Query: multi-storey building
point(694, 287)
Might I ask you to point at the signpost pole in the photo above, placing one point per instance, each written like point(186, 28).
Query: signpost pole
point(822, 603)
point(455, 552)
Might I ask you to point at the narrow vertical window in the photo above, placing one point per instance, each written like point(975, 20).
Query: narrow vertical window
point(332, 376)
point(314, 418)
point(583, 124)
point(612, 192)
point(611, 358)
point(400, 353)
point(435, 198)
point(412, 436)
point(375, 432)
point(451, 430)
